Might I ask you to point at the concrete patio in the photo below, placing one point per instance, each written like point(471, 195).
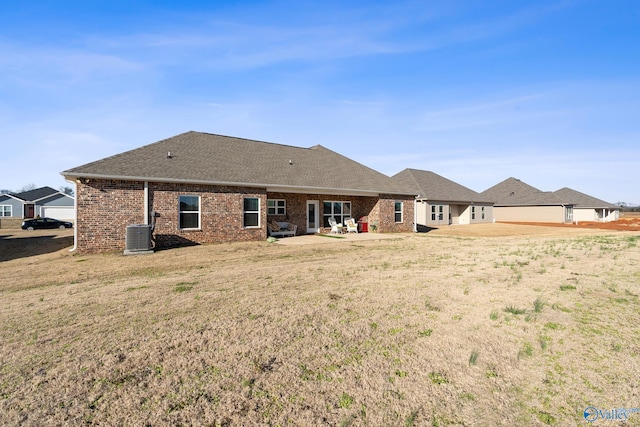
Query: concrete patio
point(312, 239)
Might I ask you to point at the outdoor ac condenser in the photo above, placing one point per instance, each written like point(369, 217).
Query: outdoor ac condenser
point(138, 239)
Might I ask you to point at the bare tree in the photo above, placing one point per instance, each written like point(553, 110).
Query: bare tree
point(66, 190)
point(27, 187)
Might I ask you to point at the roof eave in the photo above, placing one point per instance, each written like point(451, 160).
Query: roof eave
point(73, 176)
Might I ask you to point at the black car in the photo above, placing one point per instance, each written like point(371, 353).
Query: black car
point(42, 223)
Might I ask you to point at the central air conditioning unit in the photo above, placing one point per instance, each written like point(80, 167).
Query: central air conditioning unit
point(138, 239)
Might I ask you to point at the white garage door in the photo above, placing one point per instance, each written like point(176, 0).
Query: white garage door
point(61, 213)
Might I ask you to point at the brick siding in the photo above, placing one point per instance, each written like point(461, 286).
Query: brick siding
point(106, 207)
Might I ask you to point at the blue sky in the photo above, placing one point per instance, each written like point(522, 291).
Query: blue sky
point(476, 91)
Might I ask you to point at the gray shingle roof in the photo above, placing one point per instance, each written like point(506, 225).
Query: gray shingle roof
point(198, 157)
point(36, 194)
point(582, 200)
point(513, 192)
point(431, 186)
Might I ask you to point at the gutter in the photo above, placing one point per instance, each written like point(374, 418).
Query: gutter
point(268, 187)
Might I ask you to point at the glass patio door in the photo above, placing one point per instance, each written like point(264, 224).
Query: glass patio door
point(313, 217)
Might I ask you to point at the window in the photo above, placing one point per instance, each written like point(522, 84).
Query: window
point(482, 212)
point(339, 210)
point(276, 207)
point(5, 210)
point(398, 211)
point(251, 212)
point(433, 212)
point(440, 212)
point(473, 212)
point(189, 212)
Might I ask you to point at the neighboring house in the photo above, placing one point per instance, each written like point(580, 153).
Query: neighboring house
point(204, 188)
point(441, 201)
point(516, 201)
point(588, 208)
point(41, 202)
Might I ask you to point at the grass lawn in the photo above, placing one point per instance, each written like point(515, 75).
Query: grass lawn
point(427, 329)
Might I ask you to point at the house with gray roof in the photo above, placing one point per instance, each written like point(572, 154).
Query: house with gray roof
point(40, 202)
point(441, 201)
point(516, 201)
point(204, 188)
point(588, 208)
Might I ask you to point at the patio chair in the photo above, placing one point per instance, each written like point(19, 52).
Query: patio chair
point(335, 227)
point(352, 225)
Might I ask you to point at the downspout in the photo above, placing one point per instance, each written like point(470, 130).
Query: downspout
point(75, 216)
point(146, 202)
point(415, 214)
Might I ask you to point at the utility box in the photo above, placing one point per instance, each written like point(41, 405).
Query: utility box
point(138, 239)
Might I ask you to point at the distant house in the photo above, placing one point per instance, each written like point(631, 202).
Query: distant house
point(517, 201)
point(441, 201)
point(41, 202)
point(204, 188)
point(588, 208)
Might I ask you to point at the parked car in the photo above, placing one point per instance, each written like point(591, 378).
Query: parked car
point(42, 223)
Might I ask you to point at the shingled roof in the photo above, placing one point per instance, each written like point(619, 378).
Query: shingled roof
point(513, 192)
point(196, 157)
point(431, 186)
point(582, 200)
point(36, 194)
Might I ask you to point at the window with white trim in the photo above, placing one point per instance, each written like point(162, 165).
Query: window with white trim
point(251, 212)
point(189, 212)
point(473, 212)
point(482, 212)
point(339, 210)
point(276, 207)
point(5, 210)
point(398, 212)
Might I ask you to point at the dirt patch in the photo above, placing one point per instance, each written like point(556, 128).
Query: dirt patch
point(423, 329)
point(623, 224)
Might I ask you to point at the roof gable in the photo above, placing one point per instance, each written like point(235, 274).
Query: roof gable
point(37, 194)
point(431, 186)
point(215, 159)
point(513, 192)
point(582, 200)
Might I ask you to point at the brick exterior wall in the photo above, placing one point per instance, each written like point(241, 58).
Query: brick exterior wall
point(376, 210)
point(221, 214)
point(384, 214)
point(106, 207)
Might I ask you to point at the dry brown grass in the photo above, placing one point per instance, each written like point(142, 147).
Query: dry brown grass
point(341, 333)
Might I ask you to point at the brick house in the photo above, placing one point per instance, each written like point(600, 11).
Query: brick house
point(205, 188)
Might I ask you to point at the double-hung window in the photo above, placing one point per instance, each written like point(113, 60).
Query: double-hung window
point(398, 212)
point(473, 212)
point(339, 210)
point(482, 212)
point(251, 213)
point(189, 212)
point(5, 210)
point(276, 207)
